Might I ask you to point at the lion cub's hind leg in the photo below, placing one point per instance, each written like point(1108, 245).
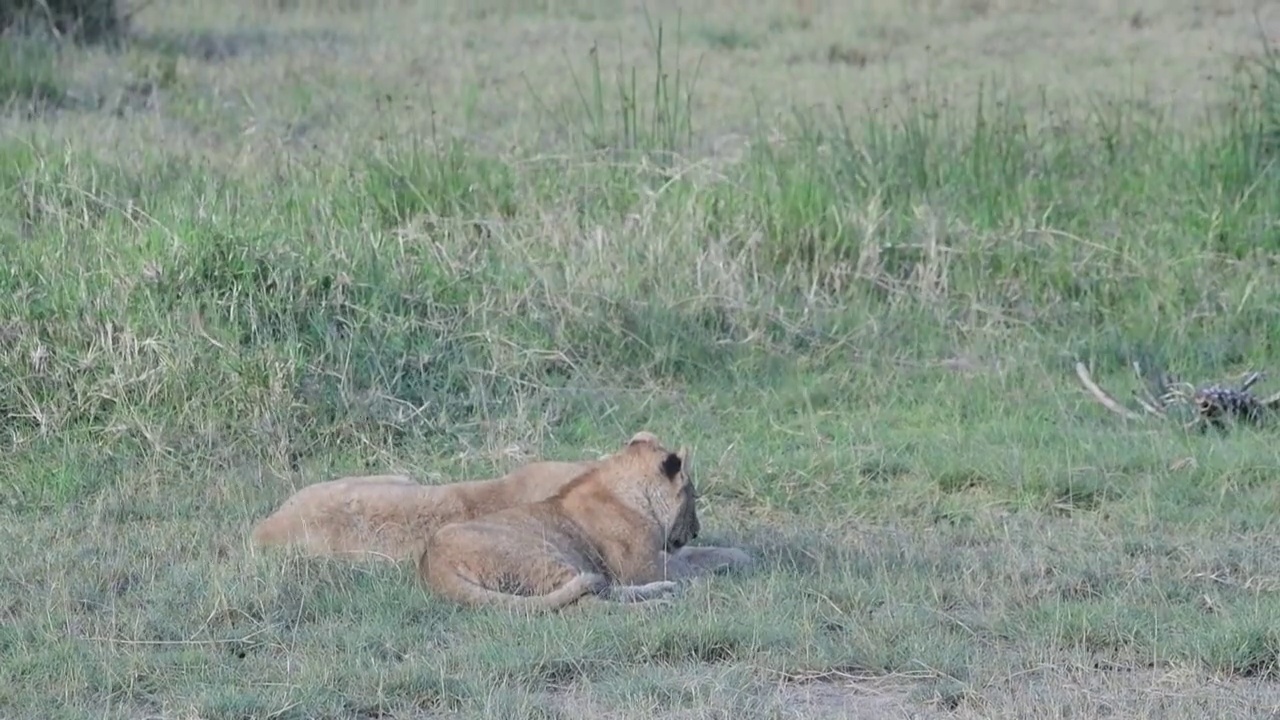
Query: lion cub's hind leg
point(478, 563)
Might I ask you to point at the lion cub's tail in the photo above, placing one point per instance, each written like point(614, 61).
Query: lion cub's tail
point(474, 594)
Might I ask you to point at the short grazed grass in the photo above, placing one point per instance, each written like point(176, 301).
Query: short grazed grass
point(849, 255)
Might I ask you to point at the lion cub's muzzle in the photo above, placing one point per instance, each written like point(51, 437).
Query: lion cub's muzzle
point(682, 536)
point(684, 526)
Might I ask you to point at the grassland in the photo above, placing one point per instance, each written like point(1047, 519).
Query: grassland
point(848, 251)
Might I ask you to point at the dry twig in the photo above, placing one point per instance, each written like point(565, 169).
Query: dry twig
point(1214, 405)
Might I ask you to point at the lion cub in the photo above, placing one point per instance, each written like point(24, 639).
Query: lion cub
point(391, 516)
point(607, 533)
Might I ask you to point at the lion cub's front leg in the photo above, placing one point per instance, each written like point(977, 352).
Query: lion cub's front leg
point(640, 580)
point(692, 561)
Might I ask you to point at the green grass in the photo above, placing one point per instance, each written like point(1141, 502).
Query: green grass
point(863, 317)
point(29, 78)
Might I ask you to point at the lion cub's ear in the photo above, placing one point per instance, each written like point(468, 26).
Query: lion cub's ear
point(644, 436)
point(671, 465)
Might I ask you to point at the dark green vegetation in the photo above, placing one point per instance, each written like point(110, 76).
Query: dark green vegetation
point(864, 323)
point(91, 21)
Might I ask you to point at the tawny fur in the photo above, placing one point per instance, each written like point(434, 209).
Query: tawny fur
point(606, 534)
point(391, 516)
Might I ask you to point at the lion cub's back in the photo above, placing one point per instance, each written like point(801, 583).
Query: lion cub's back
point(325, 508)
point(526, 484)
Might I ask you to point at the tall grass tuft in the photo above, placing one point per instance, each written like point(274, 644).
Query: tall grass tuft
point(29, 74)
point(633, 114)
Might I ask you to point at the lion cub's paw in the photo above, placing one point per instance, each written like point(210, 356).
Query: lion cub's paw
point(659, 590)
point(654, 604)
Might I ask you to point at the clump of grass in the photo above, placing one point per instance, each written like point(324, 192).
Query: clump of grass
point(939, 212)
point(29, 71)
point(414, 183)
point(634, 116)
point(89, 21)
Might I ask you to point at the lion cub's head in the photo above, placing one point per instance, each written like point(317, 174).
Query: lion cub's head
point(668, 486)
